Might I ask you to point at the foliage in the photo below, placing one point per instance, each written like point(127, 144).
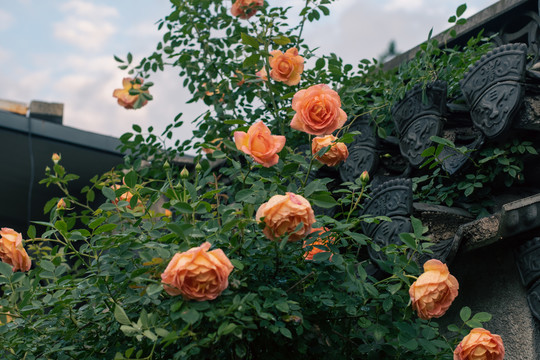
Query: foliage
point(95, 291)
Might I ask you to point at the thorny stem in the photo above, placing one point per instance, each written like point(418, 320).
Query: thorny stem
point(300, 281)
point(302, 22)
point(356, 203)
point(309, 167)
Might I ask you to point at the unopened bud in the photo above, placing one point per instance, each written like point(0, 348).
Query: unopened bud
point(168, 213)
point(61, 205)
point(184, 174)
point(198, 167)
point(364, 178)
point(56, 158)
point(166, 165)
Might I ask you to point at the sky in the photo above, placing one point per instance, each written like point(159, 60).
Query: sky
point(62, 51)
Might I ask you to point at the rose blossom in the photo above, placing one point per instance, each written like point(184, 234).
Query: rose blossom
point(433, 292)
point(480, 344)
point(244, 9)
point(286, 67)
point(283, 213)
point(260, 144)
point(320, 242)
point(197, 274)
point(318, 110)
point(124, 98)
point(12, 251)
point(337, 153)
point(262, 74)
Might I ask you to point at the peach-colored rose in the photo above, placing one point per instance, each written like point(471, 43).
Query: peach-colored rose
point(125, 196)
point(197, 274)
point(480, 344)
point(308, 255)
point(262, 74)
point(337, 153)
point(12, 251)
point(216, 142)
point(318, 110)
point(126, 100)
point(56, 158)
point(434, 291)
point(283, 213)
point(244, 9)
point(260, 144)
point(61, 205)
point(286, 67)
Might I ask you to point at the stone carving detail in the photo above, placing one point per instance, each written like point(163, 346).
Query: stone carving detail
point(452, 160)
point(393, 199)
point(493, 90)
point(362, 152)
point(528, 261)
point(533, 299)
point(520, 216)
point(418, 117)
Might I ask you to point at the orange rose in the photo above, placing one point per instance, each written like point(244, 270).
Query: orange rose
point(318, 110)
point(262, 74)
point(56, 158)
point(283, 213)
point(244, 9)
point(125, 196)
point(433, 292)
point(12, 251)
point(124, 98)
point(320, 242)
point(286, 67)
point(197, 274)
point(61, 205)
point(260, 144)
point(480, 344)
point(337, 153)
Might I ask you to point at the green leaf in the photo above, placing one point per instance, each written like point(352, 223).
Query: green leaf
point(249, 40)
point(183, 207)
point(285, 332)
point(394, 288)
point(465, 313)
point(105, 228)
point(47, 265)
point(237, 264)
point(482, 317)
point(131, 179)
point(108, 193)
point(461, 9)
point(323, 200)
point(191, 316)
point(281, 40)
point(226, 328)
point(252, 60)
point(5, 269)
point(31, 231)
point(154, 289)
point(408, 240)
point(121, 316)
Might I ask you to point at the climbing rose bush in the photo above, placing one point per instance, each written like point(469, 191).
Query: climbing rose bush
point(225, 257)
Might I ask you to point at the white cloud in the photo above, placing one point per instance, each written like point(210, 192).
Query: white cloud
point(87, 25)
point(88, 9)
point(406, 5)
point(6, 20)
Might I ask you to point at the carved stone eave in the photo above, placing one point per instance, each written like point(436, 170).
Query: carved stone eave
point(515, 218)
